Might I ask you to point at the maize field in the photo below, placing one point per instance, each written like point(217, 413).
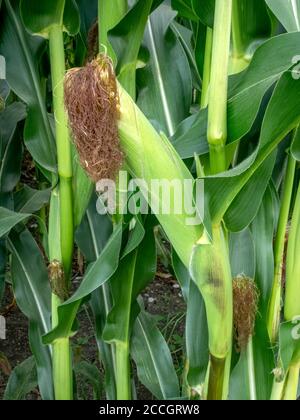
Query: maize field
point(144, 142)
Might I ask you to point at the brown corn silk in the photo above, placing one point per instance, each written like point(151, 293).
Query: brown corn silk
point(92, 103)
point(245, 307)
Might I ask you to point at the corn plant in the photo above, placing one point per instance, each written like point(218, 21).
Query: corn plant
point(184, 92)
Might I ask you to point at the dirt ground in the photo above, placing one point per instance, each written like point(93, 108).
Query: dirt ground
point(162, 299)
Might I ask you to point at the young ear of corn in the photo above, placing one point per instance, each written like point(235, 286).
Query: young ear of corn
point(150, 156)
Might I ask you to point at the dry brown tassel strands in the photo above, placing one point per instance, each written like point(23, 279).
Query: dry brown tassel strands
point(92, 103)
point(245, 308)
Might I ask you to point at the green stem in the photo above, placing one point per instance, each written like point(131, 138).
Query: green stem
point(123, 371)
point(292, 304)
point(61, 229)
point(251, 371)
point(218, 91)
point(207, 68)
point(276, 296)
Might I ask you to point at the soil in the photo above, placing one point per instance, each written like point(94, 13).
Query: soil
point(162, 299)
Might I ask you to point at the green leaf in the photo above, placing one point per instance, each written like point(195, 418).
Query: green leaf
point(263, 229)
point(185, 36)
point(205, 10)
point(28, 200)
point(225, 188)
point(182, 275)
point(287, 12)
point(165, 83)
point(33, 294)
point(3, 262)
point(10, 219)
point(21, 51)
point(98, 274)
point(251, 26)
point(88, 16)
point(11, 146)
point(289, 341)
point(265, 69)
point(252, 255)
point(22, 381)
point(295, 148)
point(136, 270)
point(88, 237)
point(185, 9)
point(153, 359)
point(242, 383)
point(91, 244)
point(246, 204)
point(40, 17)
point(130, 31)
point(197, 345)
point(196, 331)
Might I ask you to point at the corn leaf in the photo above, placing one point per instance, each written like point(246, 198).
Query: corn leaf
point(197, 341)
point(89, 373)
point(196, 10)
point(210, 270)
point(10, 147)
point(289, 342)
point(136, 270)
point(27, 200)
point(21, 52)
point(257, 385)
point(196, 332)
point(138, 140)
point(91, 244)
point(295, 147)
point(263, 229)
point(130, 31)
point(242, 254)
point(40, 17)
